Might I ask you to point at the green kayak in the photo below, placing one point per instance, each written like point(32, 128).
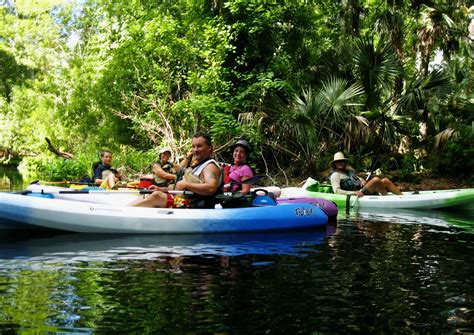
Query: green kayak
point(435, 199)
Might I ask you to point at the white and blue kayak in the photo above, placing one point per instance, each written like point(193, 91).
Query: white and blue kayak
point(45, 210)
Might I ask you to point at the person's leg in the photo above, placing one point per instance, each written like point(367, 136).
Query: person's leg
point(375, 185)
point(388, 185)
point(156, 199)
point(110, 181)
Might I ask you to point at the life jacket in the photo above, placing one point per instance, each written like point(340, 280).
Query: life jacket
point(225, 170)
point(351, 183)
point(158, 181)
point(201, 201)
point(99, 169)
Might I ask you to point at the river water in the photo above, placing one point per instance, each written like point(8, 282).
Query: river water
point(399, 272)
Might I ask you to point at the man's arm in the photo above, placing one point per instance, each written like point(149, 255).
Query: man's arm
point(211, 176)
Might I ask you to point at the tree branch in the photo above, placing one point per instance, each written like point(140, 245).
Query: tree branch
point(65, 155)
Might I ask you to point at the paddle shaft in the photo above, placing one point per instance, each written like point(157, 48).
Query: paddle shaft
point(106, 192)
point(247, 181)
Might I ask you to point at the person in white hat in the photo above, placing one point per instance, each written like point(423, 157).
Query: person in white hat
point(163, 170)
point(345, 180)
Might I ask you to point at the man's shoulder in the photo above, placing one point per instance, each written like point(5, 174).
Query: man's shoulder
point(212, 165)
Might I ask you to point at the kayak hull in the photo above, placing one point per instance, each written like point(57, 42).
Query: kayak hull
point(328, 206)
point(436, 199)
point(77, 216)
point(124, 198)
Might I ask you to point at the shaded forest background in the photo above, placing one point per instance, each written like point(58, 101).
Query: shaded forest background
point(388, 82)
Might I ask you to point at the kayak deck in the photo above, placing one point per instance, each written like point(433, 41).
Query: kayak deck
point(435, 199)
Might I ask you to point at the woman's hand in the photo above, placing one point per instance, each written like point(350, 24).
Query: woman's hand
point(359, 193)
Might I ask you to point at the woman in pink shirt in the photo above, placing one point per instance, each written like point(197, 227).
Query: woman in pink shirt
point(239, 171)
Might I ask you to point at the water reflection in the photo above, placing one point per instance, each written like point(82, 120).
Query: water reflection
point(443, 219)
point(47, 246)
point(365, 277)
point(10, 179)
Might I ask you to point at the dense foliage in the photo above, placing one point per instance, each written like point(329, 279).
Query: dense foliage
point(298, 79)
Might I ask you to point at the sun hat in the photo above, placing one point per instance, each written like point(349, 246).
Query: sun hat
point(165, 149)
point(242, 143)
point(339, 157)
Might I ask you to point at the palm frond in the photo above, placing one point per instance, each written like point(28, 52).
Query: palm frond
point(356, 131)
point(421, 88)
point(308, 104)
point(336, 95)
point(443, 137)
point(377, 67)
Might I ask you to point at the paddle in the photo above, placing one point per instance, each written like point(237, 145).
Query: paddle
point(104, 192)
point(64, 182)
point(252, 180)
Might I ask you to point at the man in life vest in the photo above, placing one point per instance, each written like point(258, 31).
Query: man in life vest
point(345, 181)
point(203, 180)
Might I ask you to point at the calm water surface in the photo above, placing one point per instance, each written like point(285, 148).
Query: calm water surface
point(401, 272)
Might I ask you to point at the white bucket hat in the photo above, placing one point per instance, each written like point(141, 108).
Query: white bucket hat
point(165, 149)
point(339, 157)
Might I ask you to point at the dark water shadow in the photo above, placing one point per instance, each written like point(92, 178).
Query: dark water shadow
point(72, 246)
point(447, 220)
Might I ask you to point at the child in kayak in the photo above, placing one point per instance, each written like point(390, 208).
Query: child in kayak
point(104, 174)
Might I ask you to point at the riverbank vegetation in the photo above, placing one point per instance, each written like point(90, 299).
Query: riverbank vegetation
point(388, 82)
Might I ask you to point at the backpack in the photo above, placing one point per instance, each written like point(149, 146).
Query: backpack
point(239, 200)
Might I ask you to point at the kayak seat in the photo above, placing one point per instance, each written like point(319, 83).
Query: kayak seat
point(321, 188)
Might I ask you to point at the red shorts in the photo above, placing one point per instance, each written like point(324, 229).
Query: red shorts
point(176, 202)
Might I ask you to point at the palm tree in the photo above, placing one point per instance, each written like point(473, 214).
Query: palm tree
point(390, 22)
point(438, 29)
point(387, 128)
point(319, 119)
point(376, 68)
point(420, 96)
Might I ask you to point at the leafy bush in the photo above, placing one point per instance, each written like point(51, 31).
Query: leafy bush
point(53, 168)
point(456, 158)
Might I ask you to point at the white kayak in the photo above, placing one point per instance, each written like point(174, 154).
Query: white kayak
point(127, 196)
point(435, 199)
point(46, 211)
